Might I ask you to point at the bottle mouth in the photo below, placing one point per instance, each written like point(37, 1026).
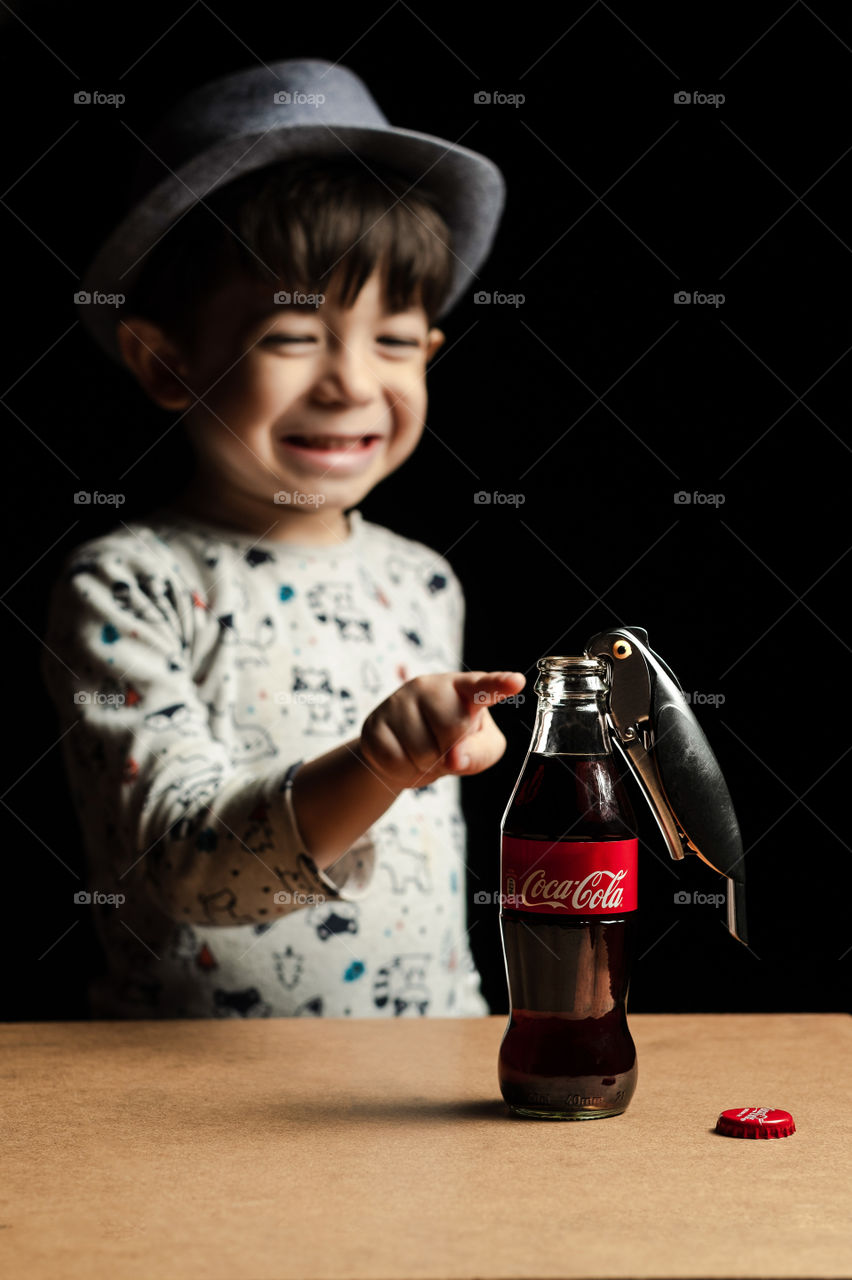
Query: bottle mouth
point(572, 666)
point(564, 678)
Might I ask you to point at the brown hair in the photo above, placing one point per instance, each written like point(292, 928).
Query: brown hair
point(299, 225)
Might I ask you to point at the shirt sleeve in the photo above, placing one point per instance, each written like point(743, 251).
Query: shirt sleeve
point(160, 799)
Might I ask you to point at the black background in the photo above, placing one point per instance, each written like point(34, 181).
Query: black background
point(597, 399)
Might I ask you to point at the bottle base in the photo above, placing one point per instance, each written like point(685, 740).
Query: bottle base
point(534, 1113)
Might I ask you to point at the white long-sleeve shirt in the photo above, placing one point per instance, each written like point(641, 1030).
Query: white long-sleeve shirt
point(194, 668)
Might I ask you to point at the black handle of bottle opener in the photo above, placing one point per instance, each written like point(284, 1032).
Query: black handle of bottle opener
point(666, 750)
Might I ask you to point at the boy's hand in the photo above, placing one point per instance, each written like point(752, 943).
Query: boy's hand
point(435, 725)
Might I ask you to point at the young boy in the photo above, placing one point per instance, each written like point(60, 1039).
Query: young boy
point(261, 692)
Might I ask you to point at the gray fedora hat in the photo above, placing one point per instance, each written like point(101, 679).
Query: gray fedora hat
point(265, 114)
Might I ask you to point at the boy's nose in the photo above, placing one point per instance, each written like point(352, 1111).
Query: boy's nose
point(347, 376)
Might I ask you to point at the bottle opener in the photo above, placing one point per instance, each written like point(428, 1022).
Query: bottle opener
point(671, 759)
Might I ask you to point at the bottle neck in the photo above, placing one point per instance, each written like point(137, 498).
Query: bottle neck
point(571, 713)
point(577, 728)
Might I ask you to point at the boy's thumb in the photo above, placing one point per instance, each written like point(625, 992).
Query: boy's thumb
point(477, 750)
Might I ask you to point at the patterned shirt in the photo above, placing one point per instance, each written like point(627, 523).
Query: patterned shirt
point(193, 669)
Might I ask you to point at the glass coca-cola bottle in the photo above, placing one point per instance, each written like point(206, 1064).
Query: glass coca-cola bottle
point(568, 908)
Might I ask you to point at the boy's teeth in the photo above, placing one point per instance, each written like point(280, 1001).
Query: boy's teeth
point(330, 442)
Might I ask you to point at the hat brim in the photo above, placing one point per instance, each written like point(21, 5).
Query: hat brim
point(467, 188)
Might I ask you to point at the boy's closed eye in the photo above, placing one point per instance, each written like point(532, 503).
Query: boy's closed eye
point(284, 338)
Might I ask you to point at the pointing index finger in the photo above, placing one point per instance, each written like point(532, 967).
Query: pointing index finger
point(487, 688)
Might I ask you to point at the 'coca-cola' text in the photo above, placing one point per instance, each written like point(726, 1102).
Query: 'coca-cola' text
point(574, 877)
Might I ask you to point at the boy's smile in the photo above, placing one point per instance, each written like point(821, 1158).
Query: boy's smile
point(316, 402)
point(336, 455)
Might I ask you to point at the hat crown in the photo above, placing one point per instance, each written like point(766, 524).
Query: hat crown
point(287, 94)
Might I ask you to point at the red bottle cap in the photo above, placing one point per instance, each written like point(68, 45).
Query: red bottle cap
point(755, 1122)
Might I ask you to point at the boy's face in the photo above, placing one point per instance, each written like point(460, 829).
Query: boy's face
point(318, 403)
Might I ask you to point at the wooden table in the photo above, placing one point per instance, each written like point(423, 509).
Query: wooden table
point(326, 1148)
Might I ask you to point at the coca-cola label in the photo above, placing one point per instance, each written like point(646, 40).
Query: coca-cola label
point(569, 877)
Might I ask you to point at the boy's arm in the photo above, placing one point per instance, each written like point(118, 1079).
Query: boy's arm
point(361, 796)
point(337, 797)
point(429, 727)
point(213, 841)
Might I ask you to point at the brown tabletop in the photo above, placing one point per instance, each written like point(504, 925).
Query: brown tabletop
point(326, 1148)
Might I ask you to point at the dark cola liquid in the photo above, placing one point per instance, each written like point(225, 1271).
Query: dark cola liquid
point(567, 1052)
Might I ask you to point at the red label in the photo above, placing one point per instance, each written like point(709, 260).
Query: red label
point(569, 877)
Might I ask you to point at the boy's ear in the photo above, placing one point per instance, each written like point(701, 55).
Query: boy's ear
point(155, 361)
point(434, 341)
